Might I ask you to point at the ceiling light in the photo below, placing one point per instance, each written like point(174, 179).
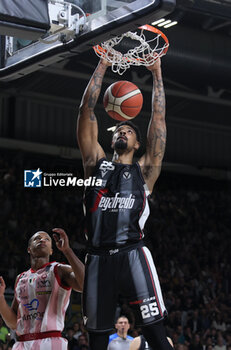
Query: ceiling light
point(164, 23)
point(170, 24)
point(158, 21)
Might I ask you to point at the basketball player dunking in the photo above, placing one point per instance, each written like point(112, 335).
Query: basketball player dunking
point(42, 294)
point(117, 261)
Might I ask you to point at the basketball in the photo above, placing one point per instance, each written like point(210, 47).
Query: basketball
point(123, 100)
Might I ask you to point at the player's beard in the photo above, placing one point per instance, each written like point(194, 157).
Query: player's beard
point(121, 144)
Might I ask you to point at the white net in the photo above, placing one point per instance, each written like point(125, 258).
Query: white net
point(143, 54)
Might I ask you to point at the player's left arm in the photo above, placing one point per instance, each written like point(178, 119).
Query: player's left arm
point(73, 275)
point(8, 313)
point(151, 161)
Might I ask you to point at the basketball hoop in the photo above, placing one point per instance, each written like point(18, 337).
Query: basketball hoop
point(141, 48)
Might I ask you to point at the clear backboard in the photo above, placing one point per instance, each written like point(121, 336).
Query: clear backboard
point(76, 26)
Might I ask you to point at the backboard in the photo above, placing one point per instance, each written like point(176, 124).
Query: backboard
point(76, 26)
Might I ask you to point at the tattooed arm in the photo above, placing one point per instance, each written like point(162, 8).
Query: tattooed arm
point(87, 127)
point(156, 136)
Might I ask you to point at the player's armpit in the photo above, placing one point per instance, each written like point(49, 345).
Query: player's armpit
point(150, 173)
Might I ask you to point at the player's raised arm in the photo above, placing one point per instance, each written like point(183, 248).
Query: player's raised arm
point(87, 127)
point(9, 314)
point(156, 136)
point(72, 276)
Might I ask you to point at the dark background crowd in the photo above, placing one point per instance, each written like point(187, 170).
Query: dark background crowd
point(188, 232)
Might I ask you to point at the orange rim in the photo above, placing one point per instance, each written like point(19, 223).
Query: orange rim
point(148, 27)
point(99, 49)
point(156, 31)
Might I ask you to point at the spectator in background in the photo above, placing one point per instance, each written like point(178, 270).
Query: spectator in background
point(196, 343)
point(220, 343)
point(188, 335)
point(228, 338)
point(218, 323)
point(3, 331)
point(77, 331)
point(10, 344)
point(83, 342)
point(72, 342)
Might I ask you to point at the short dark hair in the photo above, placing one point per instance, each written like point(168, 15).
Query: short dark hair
point(122, 316)
point(133, 126)
point(31, 238)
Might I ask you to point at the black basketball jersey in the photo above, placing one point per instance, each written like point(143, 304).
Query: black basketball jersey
point(144, 344)
point(117, 210)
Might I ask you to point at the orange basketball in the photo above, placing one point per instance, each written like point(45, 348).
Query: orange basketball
point(123, 100)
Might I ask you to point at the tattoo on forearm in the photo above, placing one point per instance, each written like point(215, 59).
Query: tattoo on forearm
point(160, 141)
point(157, 141)
point(157, 132)
point(159, 97)
point(94, 90)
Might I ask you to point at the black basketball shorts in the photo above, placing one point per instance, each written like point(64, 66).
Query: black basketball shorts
point(129, 273)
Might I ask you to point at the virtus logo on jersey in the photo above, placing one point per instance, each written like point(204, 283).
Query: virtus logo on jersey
point(117, 202)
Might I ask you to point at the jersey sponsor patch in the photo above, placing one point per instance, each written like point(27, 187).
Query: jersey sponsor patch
point(34, 316)
point(33, 305)
point(44, 292)
point(117, 202)
point(43, 283)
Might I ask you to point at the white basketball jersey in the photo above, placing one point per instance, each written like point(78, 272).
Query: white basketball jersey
point(42, 300)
